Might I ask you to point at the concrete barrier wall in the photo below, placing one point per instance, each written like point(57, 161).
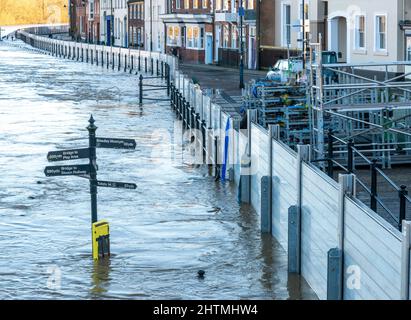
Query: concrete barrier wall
point(372, 247)
point(284, 189)
point(370, 244)
point(319, 226)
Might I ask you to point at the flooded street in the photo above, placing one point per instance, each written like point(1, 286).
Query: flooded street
point(178, 221)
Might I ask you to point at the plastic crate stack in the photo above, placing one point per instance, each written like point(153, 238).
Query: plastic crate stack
point(284, 105)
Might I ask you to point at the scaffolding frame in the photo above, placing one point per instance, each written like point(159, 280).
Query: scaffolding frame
point(369, 100)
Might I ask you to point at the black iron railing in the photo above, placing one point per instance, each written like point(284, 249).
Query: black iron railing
point(345, 161)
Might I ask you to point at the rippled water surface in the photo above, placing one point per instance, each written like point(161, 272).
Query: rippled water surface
point(178, 221)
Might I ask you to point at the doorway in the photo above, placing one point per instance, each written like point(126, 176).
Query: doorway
point(209, 49)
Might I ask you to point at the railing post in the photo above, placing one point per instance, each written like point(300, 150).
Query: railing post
point(125, 63)
point(132, 64)
point(152, 66)
point(403, 205)
point(139, 63)
point(374, 185)
point(119, 62)
point(203, 134)
point(158, 70)
point(162, 69)
point(140, 86)
point(145, 62)
point(108, 60)
point(112, 61)
point(168, 82)
point(330, 153)
point(216, 164)
point(350, 156)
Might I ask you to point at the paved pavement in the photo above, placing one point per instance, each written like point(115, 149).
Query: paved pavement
point(215, 77)
point(227, 80)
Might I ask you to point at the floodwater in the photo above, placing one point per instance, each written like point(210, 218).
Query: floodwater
point(177, 222)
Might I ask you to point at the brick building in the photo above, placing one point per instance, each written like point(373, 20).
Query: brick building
point(136, 23)
point(79, 27)
point(227, 44)
point(189, 30)
point(93, 21)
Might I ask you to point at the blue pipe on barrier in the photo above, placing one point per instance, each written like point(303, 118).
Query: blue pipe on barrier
point(226, 144)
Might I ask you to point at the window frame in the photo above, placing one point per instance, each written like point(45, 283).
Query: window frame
point(377, 33)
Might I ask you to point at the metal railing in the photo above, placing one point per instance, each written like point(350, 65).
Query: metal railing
point(343, 157)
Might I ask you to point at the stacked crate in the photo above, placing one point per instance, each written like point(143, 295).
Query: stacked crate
point(284, 105)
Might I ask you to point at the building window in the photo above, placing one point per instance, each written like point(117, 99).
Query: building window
point(218, 5)
point(186, 4)
point(205, 4)
point(195, 4)
point(286, 18)
point(195, 38)
point(178, 4)
point(408, 49)
point(225, 5)
point(226, 36)
point(234, 37)
point(173, 33)
point(360, 32)
point(381, 33)
point(250, 4)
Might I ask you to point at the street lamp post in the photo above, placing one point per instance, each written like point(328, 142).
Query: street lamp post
point(241, 13)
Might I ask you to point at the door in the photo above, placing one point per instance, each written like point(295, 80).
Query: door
point(209, 49)
point(252, 48)
point(108, 35)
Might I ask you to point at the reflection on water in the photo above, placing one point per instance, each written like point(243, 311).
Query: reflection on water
point(177, 222)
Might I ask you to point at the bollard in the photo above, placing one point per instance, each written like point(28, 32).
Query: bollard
point(152, 66)
point(82, 55)
point(102, 58)
point(125, 63)
point(96, 57)
point(145, 62)
point(86, 55)
point(162, 69)
point(140, 86)
point(92, 57)
point(158, 70)
point(112, 60)
point(119, 62)
point(108, 60)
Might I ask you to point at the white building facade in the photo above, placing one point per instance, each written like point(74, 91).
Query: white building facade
point(114, 22)
point(153, 25)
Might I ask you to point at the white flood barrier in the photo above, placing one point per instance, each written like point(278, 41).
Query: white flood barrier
point(375, 257)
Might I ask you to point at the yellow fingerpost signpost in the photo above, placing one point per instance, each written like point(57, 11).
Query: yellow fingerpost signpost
point(100, 229)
